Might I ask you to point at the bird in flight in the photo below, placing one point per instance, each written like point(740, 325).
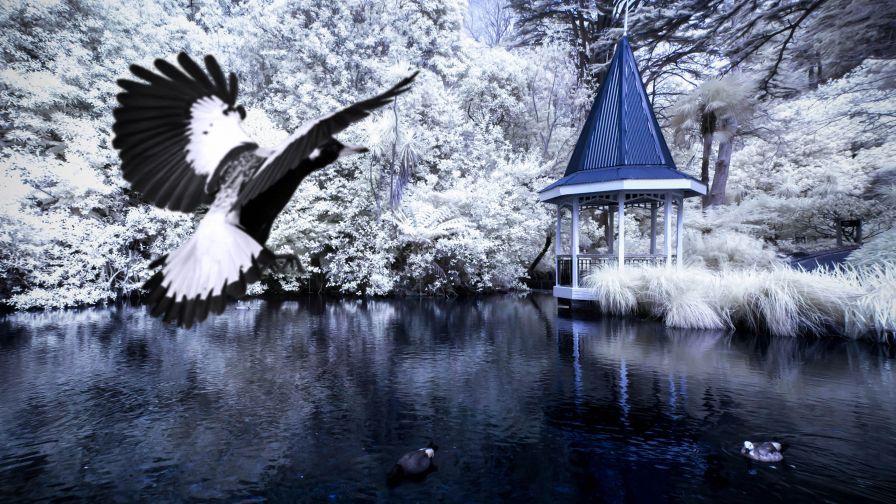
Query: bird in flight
point(181, 145)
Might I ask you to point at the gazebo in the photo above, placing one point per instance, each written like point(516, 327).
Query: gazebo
point(620, 161)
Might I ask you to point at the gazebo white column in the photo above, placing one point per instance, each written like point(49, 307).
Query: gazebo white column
point(611, 247)
point(575, 242)
point(621, 247)
point(653, 229)
point(558, 244)
point(667, 232)
point(679, 226)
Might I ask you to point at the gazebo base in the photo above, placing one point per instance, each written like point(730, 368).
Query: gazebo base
point(574, 293)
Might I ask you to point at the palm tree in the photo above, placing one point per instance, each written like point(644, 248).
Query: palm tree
point(713, 110)
point(398, 150)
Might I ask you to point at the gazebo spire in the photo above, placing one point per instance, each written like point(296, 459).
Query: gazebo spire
point(621, 139)
point(621, 129)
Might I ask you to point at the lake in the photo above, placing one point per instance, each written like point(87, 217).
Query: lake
point(315, 399)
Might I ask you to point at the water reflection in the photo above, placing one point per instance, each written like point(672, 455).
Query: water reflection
point(316, 399)
point(829, 400)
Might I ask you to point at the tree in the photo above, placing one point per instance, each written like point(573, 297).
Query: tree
point(791, 44)
point(712, 112)
point(585, 23)
point(490, 21)
point(812, 160)
point(394, 148)
point(73, 234)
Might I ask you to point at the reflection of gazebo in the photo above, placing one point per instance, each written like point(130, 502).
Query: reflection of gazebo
point(620, 161)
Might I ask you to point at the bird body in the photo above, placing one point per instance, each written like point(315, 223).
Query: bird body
point(413, 464)
point(182, 145)
point(769, 451)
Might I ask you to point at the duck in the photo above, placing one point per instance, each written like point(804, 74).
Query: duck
point(768, 451)
point(414, 464)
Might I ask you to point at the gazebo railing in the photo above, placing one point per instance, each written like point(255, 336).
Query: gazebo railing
point(586, 263)
point(564, 270)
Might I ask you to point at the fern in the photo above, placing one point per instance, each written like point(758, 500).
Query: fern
point(428, 224)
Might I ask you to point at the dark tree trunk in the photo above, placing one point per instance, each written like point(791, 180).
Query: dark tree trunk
point(530, 271)
point(723, 164)
point(707, 127)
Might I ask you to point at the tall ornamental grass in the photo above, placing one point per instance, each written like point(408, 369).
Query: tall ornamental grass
point(856, 303)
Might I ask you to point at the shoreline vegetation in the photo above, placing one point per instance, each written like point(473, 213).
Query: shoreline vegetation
point(845, 302)
point(857, 303)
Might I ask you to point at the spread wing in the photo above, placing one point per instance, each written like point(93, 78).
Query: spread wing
point(174, 129)
point(310, 136)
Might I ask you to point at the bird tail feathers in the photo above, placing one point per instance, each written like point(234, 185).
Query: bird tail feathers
point(214, 265)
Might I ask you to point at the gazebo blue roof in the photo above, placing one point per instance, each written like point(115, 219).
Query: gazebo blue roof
point(621, 140)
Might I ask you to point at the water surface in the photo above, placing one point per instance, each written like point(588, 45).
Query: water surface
point(315, 399)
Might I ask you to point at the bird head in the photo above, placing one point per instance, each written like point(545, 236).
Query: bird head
point(429, 452)
point(748, 445)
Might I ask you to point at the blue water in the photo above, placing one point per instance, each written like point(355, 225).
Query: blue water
point(314, 400)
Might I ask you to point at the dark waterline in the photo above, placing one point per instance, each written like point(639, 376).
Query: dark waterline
point(315, 399)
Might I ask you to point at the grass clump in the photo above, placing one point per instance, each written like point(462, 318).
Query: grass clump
point(617, 291)
point(875, 310)
point(780, 301)
point(672, 296)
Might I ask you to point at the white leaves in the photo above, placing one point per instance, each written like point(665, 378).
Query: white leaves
point(12, 190)
point(728, 95)
point(787, 185)
point(38, 89)
point(384, 135)
point(72, 180)
point(258, 125)
point(828, 184)
point(424, 223)
point(380, 133)
point(398, 71)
